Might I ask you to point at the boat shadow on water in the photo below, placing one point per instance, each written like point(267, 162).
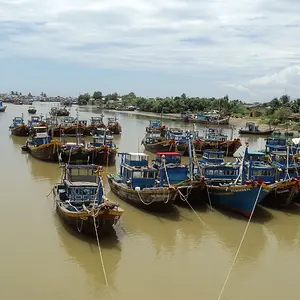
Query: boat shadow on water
point(292, 209)
point(260, 215)
point(83, 251)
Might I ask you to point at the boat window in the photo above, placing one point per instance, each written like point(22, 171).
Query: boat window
point(209, 172)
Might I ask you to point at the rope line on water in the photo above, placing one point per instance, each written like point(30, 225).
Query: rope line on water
point(184, 198)
point(240, 245)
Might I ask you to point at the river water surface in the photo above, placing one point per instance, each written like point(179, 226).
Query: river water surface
point(172, 256)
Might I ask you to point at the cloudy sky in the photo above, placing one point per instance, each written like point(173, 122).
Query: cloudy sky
point(248, 49)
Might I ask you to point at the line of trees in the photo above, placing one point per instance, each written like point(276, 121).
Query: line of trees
point(177, 104)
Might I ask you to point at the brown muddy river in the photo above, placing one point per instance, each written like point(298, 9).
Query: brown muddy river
point(172, 256)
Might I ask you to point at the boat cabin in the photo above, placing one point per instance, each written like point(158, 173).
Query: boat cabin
point(34, 121)
point(40, 135)
point(81, 185)
point(112, 121)
point(170, 157)
point(215, 135)
point(95, 121)
point(17, 121)
point(68, 121)
point(276, 144)
point(251, 126)
point(173, 171)
point(102, 137)
point(136, 172)
point(213, 157)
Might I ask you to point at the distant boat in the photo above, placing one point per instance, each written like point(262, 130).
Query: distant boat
point(31, 110)
point(252, 128)
point(211, 118)
point(2, 107)
point(80, 201)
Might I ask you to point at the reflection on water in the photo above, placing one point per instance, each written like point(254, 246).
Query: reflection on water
point(171, 256)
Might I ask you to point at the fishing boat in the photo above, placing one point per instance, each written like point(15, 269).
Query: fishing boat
point(102, 150)
point(96, 122)
point(2, 107)
point(31, 110)
point(138, 183)
point(80, 201)
point(36, 121)
point(74, 152)
point(18, 127)
point(214, 139)
point(211, 118)
point(190, 189)
point(156, 127)
point(227, 185)
point(114, 126)
point(276, 144)
point(252, 128)
point(68, 125)
point(186, 117)
point(41, 146)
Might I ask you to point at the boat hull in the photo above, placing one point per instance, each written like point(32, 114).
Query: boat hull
point(3, 108)
point(22, 130)
point(282, 194)
point(195, 192)
point(240, 199)
point(160, 199)
point(47, 152)
point(229, 147)
point(220, 122)
point(115, 129)
point(263, 132)
point(166, 146)
point(84, 223)
point(31, 111)
point(99, 156)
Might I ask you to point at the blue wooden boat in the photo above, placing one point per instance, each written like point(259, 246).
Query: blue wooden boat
point(141, 184)
point(102, 149)
point(190, 188)
point(276, 144)
point(2, 107)
point(227, 184)
point(41, 146)
point(18, 127)
point(156, 127)
point(81, 203)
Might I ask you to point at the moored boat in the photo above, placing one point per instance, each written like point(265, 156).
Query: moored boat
point(31, 110)
point(252, 128)
point(41, 146)
point(102, 150)
point(114, 126)
point(59, 112)
point(211, 118)
point(227, 184)
point(138, 184)
point(18, 127)
point(190, 189)
point(80, 201)
point(2, 107)
point(96, 122)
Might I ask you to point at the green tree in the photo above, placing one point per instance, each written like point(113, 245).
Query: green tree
point(97, 95)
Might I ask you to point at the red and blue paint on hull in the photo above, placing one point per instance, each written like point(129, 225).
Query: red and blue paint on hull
point(238, 198)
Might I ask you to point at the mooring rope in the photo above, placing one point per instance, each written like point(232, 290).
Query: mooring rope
point(240, 245)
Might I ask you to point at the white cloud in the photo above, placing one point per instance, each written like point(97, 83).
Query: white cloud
point(237, 42)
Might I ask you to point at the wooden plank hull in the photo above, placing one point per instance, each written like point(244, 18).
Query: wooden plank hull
point(115, 129)
point(22, 130)
point(261, 132)
point(85, 223)
point(224, 121)
point(48, 152)
point(195, 192)
point(99, 156)
point(229, 147)
point(282, 194)
point(160, 199)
